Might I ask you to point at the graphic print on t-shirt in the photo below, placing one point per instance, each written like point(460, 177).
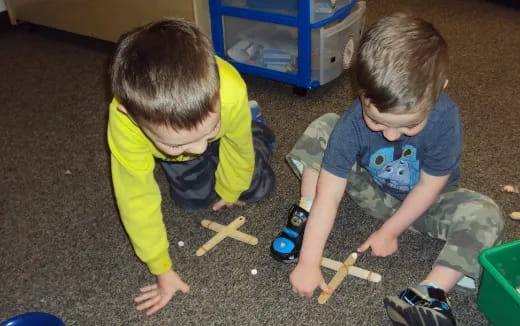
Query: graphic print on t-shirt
point(395, 169)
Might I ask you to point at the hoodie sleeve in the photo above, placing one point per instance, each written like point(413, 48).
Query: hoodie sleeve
point(236, 153)
point(137, 193)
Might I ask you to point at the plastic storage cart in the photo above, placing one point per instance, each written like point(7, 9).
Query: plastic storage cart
point(499, 297)
point(306, 43)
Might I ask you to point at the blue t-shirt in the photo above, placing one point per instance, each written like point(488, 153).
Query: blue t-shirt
point(395, 166)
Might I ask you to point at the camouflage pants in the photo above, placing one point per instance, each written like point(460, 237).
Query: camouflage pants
point(468, 221)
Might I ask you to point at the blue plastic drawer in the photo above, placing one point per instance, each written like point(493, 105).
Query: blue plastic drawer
point(319, 9)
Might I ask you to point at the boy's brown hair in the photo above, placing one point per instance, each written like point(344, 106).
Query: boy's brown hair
point(164, 73)
point(402, 65)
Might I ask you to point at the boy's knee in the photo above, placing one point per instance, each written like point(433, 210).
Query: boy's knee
point(320, 128)
point(326, 121)
point(483, 216)
point(493, 217)
point(311, 146)
point(491, 214)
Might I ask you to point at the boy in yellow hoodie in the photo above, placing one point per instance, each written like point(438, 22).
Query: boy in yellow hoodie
point(175, 102)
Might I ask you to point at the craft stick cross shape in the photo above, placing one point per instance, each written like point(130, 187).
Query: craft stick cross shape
point(224, 231)
point(344, 269)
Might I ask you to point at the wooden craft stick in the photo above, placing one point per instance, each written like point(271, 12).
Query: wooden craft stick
point(340, 275)
point(237, 235)
point(221, 235)
point(353, 270)
point(515, 216)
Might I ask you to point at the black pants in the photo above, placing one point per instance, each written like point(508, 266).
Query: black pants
point(192, 183)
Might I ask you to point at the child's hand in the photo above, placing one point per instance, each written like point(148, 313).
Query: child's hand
point(221, 203)
point(158, 295)
point(304, 279)
point(382, 243)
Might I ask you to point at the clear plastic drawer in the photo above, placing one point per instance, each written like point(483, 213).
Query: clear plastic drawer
point(267, 45)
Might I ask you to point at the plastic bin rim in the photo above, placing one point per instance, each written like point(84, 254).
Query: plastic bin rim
point(338, 15)
point(483, 258)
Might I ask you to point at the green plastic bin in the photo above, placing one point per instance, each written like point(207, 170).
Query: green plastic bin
point(498, 298)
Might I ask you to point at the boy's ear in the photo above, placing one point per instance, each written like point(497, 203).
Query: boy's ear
point(121, 108)
point(446, 83)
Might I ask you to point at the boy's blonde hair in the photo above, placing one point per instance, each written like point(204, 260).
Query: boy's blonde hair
point(402, 65)
point(164, 73)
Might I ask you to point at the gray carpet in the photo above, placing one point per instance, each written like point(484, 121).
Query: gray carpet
point(63, 249)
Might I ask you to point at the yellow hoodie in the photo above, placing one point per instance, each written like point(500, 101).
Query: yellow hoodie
point(133, 160)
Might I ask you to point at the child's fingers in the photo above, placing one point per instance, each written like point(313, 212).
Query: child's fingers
point(305, 293)
point(148, 303)
point(146, 296)
point(149, 288)
point(218, 205)
point(325, 288)
point(164, 299)
point(364, 246)
point(301, 293)
point(156, 307)
point(185, 288)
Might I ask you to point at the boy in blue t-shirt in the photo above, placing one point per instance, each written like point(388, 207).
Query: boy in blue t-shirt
point(396, 150)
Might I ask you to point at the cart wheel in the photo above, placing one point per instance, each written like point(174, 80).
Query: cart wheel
point(299, 91)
